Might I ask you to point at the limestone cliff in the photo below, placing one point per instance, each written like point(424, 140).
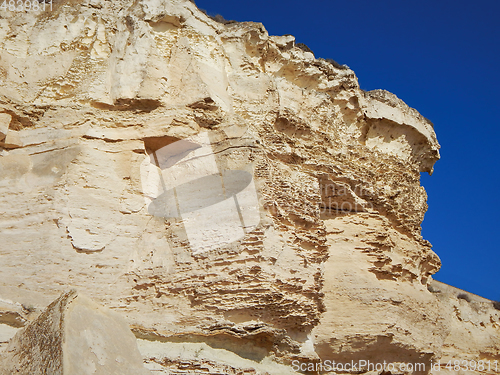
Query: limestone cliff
point(244, 205)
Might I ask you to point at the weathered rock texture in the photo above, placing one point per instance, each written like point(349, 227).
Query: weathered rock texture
point(73, 336)
point(335, 269)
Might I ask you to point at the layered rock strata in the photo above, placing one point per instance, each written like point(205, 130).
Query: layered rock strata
point(217, 186)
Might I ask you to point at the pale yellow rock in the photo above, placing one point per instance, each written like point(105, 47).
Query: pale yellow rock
point(13, 316)
point(6, 334)
point(5, 120)
point(73, 336)
point(12, 140)
point(167, 357)
point(382, 110)
point(332, 264)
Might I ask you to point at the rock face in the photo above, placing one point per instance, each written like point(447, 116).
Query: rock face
point(218, 186)
point(74, 336)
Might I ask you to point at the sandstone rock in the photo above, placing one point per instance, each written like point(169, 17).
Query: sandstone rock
point(12, 140)
point(14, 314)
point(472, 325)
point(5, 119)
point(12, 318)
point(186, 357)
point(328, 264)
point(386, 110)
point(73, 336)
point(6, 334)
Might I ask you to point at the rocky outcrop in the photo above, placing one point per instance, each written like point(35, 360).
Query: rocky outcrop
point(73, 336)
point(217, 186)
point(472, 330)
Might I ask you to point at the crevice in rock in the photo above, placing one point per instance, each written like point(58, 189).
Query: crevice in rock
point(134, 105)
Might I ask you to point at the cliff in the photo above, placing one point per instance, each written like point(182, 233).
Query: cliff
point(242, 204)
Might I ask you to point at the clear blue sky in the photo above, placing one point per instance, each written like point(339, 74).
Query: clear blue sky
point(442, 58)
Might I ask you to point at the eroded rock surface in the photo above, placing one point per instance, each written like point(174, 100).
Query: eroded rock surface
point(73, 336)
point(334, 267)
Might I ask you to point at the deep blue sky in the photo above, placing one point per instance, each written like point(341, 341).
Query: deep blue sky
point(442, 58)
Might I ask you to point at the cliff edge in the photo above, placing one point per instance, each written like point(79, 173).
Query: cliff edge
point(242, 204)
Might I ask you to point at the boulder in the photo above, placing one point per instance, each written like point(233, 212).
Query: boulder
point(74, 336)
